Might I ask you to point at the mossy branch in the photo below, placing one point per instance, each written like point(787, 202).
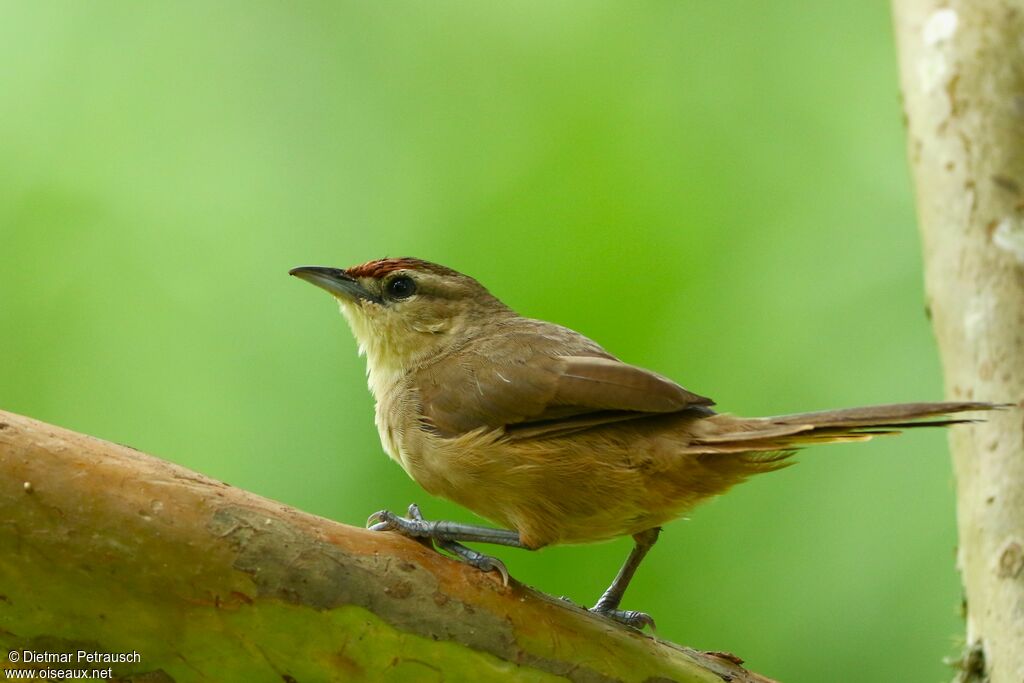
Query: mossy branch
point(111, 550)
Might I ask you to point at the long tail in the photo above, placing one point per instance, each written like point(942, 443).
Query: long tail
point(722, 433)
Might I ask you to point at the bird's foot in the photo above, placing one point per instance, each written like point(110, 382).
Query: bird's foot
point(419, 529)
point(631, 618)
point(485, 563)
point(385, 520)
point(414, 526)
point(637, 620)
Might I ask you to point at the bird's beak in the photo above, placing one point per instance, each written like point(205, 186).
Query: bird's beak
point(336, 281)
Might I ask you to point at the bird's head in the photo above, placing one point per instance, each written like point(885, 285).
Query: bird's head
point(404, 310)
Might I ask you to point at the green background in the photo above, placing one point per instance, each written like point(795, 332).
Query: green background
point(715, 190)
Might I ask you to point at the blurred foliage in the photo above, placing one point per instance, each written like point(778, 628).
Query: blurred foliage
point(715, 190)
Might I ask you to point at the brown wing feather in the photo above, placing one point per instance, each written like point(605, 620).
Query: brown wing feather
point(544, 377)
point(610, 384)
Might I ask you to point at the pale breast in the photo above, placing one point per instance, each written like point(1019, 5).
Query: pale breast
point(389, 424)
point(404, 439)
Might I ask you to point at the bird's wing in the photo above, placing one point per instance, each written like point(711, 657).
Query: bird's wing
point(537, 384)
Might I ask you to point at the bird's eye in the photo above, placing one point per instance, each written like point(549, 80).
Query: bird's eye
point(402, 287)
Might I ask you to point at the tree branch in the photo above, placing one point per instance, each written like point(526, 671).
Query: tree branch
point(111, 550)
point(962, 71)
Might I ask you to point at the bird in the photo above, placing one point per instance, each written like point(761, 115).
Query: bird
point(540, 430)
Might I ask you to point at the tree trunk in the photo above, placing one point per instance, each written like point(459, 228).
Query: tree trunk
point(108, 550)
point(962, 72)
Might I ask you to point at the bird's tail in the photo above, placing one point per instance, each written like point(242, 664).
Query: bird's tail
point(776, 437)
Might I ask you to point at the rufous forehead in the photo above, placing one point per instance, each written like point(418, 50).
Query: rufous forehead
point(381, 267)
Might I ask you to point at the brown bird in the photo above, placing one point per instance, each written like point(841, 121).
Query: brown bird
point(539, 429)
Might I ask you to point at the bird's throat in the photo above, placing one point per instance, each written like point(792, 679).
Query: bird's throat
point(390, 350)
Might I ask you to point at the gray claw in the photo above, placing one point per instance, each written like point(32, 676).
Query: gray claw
point(389, 521)
point(631, 618)
point(414, 528)
point(380, 520)
point(492, 564)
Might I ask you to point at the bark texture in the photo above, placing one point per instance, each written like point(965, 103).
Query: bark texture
point(103, 548)
point(962, 72)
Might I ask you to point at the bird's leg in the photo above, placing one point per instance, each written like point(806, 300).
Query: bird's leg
point(608, 605)
point(447, 536)
point(443, 531)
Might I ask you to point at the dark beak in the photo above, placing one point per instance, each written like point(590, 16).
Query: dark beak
point(334, 280)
